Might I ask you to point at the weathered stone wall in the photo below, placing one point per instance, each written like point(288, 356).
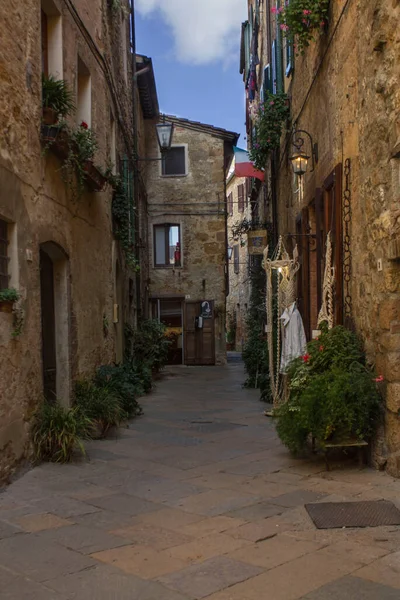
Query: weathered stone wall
point(349, 103)
point(239, 289)
point(41, 208)
point(197, 203)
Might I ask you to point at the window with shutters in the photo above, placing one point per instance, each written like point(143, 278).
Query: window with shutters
point(289, 54)
point(249, 187)
point(236, 265)
point(174, 162)
point(167, 245)
point(52, 39)
point(241, 197)
point(230, 204)
point(4, 259)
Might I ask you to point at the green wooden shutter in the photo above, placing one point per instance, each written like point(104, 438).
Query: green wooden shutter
point(279, 61)
point(267, 80)
point(247, 42)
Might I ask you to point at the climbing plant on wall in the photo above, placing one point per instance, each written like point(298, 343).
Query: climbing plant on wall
point(269, 123)
point(300, 20)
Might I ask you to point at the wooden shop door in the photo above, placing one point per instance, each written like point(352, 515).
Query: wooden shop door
point(199, 343)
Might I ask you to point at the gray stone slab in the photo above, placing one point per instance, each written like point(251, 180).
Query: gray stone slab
point(106, 520)
point(297, 498)
point(216, 427)
point(204, 579)
point(82, 538)
point(169, 491)
point(8, 530)
point(352, 588)
point(173, 439)
point(13, 586)
point(106, 583)
point(40, 559)
point(261, 510)
point(125, 504)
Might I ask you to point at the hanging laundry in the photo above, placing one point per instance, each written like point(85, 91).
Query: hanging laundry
point(294, 342)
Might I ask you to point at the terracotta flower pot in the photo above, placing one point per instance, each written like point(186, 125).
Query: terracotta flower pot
point(6, 306)
point(95, 180)
point(50, 116)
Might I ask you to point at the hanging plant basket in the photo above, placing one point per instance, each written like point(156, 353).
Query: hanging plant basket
point(57, 139)
point(6, 306)
point(95, 180)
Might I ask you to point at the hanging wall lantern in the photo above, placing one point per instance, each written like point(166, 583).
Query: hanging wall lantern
point(300, 159)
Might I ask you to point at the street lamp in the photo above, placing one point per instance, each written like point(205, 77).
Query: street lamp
point(229, 252)
point(164, 135)
point(300, 158)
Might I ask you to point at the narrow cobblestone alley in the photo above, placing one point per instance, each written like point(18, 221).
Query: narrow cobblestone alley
point(197, 499)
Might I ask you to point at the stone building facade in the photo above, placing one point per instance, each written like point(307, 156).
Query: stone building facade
point(187, 236)
point(239, 211)
point(343, 91)
point(57, 249)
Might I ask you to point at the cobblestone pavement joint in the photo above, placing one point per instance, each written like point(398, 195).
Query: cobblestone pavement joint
point(196, 499)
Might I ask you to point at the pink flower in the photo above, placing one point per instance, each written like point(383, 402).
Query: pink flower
point(306, 358)
point(274, 10)
point(321, 348)
point(306, 12)
point(280, 10)
point(305, 21)
point(322, 24)
point(271, 103)
point(379, 379)
point(284, 27)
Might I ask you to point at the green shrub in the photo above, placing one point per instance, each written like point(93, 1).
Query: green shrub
point(148, 346)
point(101, 405)
point(9, 295)
point(125, 382)
point(57, 432)
point(332, 393)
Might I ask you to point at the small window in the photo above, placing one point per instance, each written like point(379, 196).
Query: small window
point(241, 197)
point(174, 161)
point(52, 40)
point(4, 260)
point(84, 96)
point(167, 245)
point(236, 258)
point(230, 204)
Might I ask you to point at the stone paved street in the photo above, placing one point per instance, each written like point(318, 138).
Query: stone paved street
point(197, 499)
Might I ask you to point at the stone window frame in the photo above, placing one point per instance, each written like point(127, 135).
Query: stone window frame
point(186, 173)
point(9, 276)
point(52, 39)
point(166, 224)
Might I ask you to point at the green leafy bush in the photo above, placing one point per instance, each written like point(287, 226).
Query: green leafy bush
point(269, 122)
point(57, 432)
point(125, 382)
point(57, 96)
point(101, 405)
point(332, 393)
point(150, 345)
point(9, 295)
point(300, 19)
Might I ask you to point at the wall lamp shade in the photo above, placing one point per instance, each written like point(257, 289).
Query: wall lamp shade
point(229, 252)
point(299, 162)
point(164, 135)
point(300, 159)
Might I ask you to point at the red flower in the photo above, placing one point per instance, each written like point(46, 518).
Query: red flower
point(306, 358)
point(84, 125)
point(379, 379)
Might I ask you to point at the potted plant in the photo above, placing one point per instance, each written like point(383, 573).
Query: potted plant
point(8, 297)
point(57, 100)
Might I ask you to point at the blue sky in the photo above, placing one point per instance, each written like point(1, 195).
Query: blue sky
point(195, 56)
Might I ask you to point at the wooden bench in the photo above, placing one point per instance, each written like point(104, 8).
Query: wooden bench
point(361, 445)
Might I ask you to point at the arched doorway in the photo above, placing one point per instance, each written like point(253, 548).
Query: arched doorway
point(54, 293)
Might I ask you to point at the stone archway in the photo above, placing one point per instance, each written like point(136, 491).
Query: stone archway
point(55, 308)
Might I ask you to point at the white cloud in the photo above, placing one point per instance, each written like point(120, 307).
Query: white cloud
point(204, 30)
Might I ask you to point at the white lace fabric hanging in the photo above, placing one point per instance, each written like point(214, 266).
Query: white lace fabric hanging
point(286, 295)
point(326, 312)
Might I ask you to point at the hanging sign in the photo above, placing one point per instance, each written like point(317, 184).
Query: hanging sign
point(257, 241)
point(206, 309)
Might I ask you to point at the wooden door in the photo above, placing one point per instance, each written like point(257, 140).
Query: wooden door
point(199, 343)
point(49, 356)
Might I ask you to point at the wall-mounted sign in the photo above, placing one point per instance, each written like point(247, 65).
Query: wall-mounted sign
point(206, 309)
point(257, 241)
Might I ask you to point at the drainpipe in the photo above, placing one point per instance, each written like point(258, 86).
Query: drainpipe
point(135, 153)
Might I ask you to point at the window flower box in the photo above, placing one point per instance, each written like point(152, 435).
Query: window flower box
point(95, 180)
point(57, 139)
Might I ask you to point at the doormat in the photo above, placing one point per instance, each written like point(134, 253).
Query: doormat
point(333, 515)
